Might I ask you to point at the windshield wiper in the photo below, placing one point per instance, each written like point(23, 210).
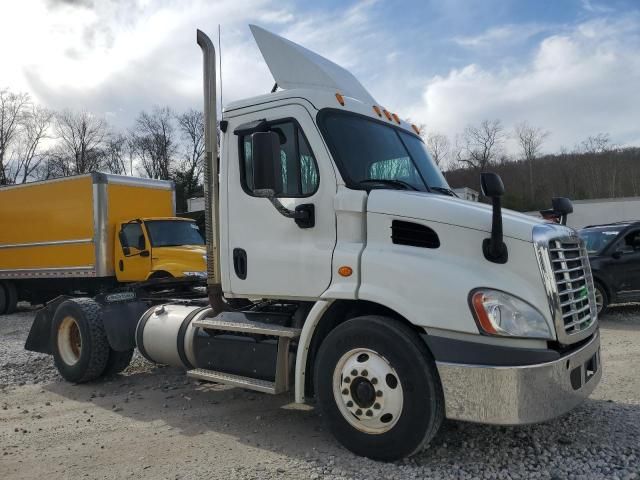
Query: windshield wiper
point(397, 183)
point(445, 190)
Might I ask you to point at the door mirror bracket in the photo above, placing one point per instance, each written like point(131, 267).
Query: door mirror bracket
point(304, 215)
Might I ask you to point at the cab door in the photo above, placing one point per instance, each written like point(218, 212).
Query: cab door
point(270, 255)
point(624, 266)
point(132, 252)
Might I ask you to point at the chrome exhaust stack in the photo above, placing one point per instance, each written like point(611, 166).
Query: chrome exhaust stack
point(211, 185)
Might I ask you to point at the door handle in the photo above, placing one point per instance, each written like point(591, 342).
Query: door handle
point(240, 262)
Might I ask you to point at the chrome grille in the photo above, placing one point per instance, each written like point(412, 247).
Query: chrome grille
point(570, 265)
point(566, 276)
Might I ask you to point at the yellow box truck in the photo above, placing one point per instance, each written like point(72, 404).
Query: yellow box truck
point(90, 233)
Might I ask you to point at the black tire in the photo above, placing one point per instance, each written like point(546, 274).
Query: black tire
point(12, 296)
point(423, 403)
point(605, 297)
point(93, 352)
point(3, 299)
point(117, 361)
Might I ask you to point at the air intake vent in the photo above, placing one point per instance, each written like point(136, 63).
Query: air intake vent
point(414, 235)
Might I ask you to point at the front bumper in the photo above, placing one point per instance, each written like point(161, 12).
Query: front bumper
point(513, 395)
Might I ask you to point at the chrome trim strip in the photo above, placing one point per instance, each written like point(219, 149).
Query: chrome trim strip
point(138, 182)
point(46, 244)
point(49, 272)
point(517, 395)
point(104, 267)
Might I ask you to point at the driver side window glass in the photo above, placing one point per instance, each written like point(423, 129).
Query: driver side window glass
point(631, 242)
point(134, 236)
point(299, 169)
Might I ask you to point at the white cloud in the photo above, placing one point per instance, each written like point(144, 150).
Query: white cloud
point(576, 84)
point(504, 34)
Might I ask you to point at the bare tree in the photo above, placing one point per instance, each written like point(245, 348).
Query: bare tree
point(81, 143)
point(530, 140)
point(153, 142)
point(12, 110)
point(439, 147)
point(600, 143)
point(117, 157)
point(28, 155)
point(481, 145)
point(191, 126)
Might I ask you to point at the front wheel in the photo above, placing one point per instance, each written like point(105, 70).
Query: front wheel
point(602, 299)
point(378, 388)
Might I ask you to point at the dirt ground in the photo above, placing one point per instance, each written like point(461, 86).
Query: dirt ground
point(153, 422)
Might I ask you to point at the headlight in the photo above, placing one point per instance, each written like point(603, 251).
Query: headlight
point(195, 274)
point(499, 313)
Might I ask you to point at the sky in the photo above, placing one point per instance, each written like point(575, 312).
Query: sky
point(571, 67)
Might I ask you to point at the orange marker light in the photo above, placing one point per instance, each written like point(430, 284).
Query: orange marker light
point(396, 118)
point(345, 271)
point(386, 114)
point(340, 99)
point(377, 110)
point(415, 129)
point(478, 305)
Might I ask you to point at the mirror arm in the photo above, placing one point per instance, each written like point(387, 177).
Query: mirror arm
point(303, 214)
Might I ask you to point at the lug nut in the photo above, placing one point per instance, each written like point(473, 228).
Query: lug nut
point(354, 372)
point(379, 393)
point(345, 392)
point(358, 412)
point(376, 406)
point(369, 413)
point(349, 404)
point(347, 379)
point(374, 380)
point(364, 373)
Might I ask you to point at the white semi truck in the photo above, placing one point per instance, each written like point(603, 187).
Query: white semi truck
point(343, 269)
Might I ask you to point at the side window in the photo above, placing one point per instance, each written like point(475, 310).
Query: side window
point(134, 236)
point(630, 243)
point(299, 170)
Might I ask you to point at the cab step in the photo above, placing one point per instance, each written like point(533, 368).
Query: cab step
point(239, 322)
point(249, 383)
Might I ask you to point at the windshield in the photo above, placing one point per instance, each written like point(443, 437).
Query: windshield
point(371, 154)
point(597, 238)
point(173, 233)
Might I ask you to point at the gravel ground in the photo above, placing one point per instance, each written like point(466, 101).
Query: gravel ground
point(152, 422)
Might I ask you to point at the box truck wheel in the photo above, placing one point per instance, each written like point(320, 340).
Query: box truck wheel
point(3, 299)
point(378, 388)
point(80, 345)
point(117, 361)
point(11, 296)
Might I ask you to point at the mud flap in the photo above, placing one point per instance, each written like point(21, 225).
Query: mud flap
point(39, 339)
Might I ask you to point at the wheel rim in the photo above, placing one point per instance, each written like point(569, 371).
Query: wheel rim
point(69, 341)
point(599, 300)
point(368, 391)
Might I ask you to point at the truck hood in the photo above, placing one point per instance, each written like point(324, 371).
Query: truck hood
point(453, 211)
point(191, 257)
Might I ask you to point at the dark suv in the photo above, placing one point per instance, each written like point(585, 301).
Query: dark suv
point(614, 254)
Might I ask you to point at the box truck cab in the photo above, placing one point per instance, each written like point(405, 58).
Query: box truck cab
point(66, 235)
point(159, 247)
point(360, 281)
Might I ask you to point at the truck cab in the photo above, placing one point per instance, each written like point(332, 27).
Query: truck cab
point(341, 267)
point(159, 247)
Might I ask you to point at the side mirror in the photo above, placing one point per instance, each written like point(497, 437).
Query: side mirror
point(144, 253)
point(617, 254)
point(492, 185)
point(123, 242)
point(494, 248)
point(267, 168)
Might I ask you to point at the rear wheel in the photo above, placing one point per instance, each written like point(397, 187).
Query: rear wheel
point(602, 299)
point(11, 296)
point(80, 345)
point(3, 299)
point(378, 388)
point(117, 361)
